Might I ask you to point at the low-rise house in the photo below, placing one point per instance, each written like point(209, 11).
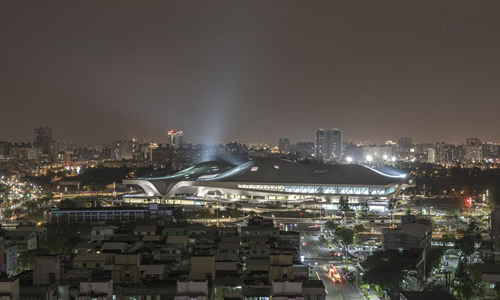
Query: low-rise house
point(248, 232)
point(114, 247)
point(280, 267)
point(103, 233)
point(228, 288)
point(197, 230)
point(9, 290)
point(192, 290)
point(229, 231)
point(259, 250)
point(202, 267)
point(168, 252)
point(127, 269)
point(228, 252)
point(153, 272)
point(230, 239)
point(41, 232)
point(81, 248)
point(178, 239)
point(25, 240)
point(313, 290)
point(257, 292)
point(204, 242)
point(257, 267)
point(170, 231)
point(96, 288)
point(91, 260)
point(145, 230)
point(47, 269)
point(284, 290)
point(152, 238)
point(411, 233)
point(227, 268)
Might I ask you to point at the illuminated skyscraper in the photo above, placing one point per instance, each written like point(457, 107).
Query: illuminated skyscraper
point(174, 139)
point(328, 143)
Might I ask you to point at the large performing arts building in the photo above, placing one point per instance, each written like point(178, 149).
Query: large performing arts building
point(272, 179)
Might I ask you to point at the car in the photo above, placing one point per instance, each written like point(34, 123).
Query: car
point(372, 221)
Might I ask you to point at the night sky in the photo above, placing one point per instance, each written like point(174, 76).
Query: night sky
point(99, 71)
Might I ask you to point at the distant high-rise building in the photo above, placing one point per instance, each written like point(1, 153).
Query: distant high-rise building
point(453, 153)
point(473, 142)
point(431, 155)
point(473, 153)
point(404, 144)
point(124, 150)
point(175, 139)
point(491, 150)
point(161, 156)
point(234, 147)
point(284, 145)
point(328, 144)
point(43, 138)
point(319, 143)
point(56, 148)
point(334, 143)
point(440, 152)
point(4, 149)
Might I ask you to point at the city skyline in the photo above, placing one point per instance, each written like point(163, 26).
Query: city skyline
point(166, 138)
point(229, 70)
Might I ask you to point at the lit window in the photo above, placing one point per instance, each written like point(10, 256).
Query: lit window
point(254, 169)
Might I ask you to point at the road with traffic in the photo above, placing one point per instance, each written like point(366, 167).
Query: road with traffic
point(317, 254)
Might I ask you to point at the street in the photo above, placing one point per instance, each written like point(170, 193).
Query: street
point(317, 255)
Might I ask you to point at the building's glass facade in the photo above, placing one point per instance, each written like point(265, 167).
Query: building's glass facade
point(304, 189)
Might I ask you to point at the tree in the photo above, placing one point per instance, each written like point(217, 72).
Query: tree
point(345, 235)
point(37, 215)
point(26, 260)
point(67, 203)
point(433, 260)
point(7, 213)
point(467, 283)
point(344, 204)
point(236, 213)
point(471, 236)
point(331, 226)
point(388, 270)
point(359, 228)
point(447, 238)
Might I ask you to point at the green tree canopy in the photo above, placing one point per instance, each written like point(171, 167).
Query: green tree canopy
point(388, 270)
point(467, 283)
point(345, 235)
